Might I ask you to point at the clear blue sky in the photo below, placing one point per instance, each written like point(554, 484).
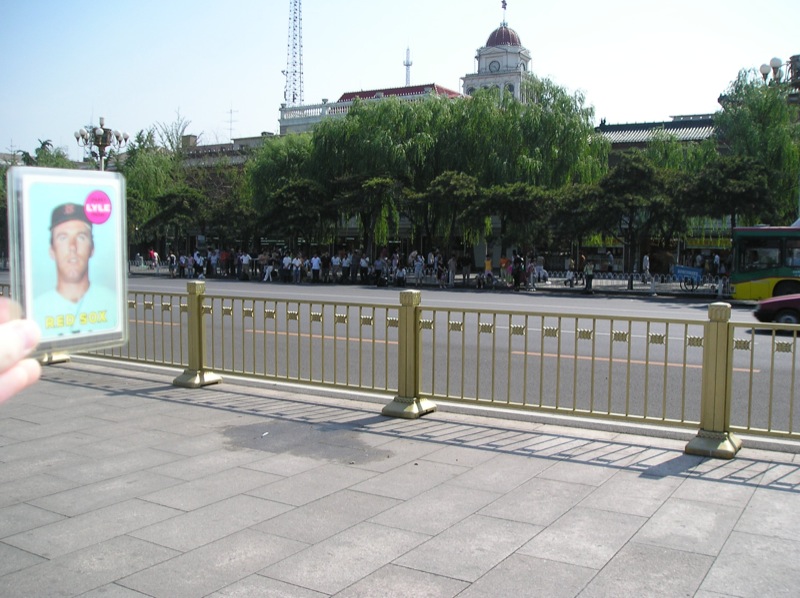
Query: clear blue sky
point(140, 62)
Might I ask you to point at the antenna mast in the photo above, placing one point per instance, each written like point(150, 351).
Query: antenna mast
point(231, 112)
point(408, 64)
point(293, 94)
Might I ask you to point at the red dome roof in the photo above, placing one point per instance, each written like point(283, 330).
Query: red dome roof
point(503, 36)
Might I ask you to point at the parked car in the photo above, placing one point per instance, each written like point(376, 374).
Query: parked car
point(784, 309)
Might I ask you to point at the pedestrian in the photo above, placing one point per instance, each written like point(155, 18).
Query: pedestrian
point(588, 275)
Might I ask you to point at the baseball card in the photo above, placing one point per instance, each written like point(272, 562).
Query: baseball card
point(68, 254)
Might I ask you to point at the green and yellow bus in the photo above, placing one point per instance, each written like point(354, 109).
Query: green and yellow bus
point(766, 261)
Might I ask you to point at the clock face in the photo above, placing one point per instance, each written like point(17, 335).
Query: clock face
point(494, 66)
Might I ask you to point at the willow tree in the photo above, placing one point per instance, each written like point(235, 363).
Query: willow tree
point(278, 162)
point(151, 173)
point(758, 122)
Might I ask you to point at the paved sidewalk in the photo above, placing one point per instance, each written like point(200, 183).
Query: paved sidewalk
point(114, 483)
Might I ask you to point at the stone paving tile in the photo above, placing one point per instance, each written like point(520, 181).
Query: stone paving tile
point(207, 524)
point(364, 548)
point(47, 579)
point(113, 590)
point(323, 518)
point(33, 487)
point(312, 485)
point(624, 516)
point(210, 489)
point(717, 493)
point(469, 549)
point(44, 446)
point(128, 438)
point(52, 463)
point(585, 537)
point(409, 480)
point(22, 517)
point(526, 576)
point(13, 559)
point(115, 558)
point(633, 493)
point(538, 501)
point(285, 465)
point(96, 470)
point(689, 525)
point(437, 509)
point(503, 472)
point(213, 566)
point(401, 451)
point(580, 473)
point(258, 586)
point(643, 570)
point(401, 582)
point(67, 535)
point(200, 466)
point(459, 455)
point(755, 566)
point(90, 497)
point(772, 513)
point(59, 427)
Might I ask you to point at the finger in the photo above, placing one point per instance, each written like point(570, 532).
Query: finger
point(9, 310)
point(22, 375)
point(17, 339)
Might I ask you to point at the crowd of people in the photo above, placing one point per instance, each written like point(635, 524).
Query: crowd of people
point(390, 267)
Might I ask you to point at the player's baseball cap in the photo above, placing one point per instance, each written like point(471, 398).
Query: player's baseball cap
point(66, 212)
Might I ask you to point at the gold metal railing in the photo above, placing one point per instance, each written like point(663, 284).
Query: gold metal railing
point(762, 401)
point(156, 330)
point(719, 377)
point(347, 345)
point(645, 370)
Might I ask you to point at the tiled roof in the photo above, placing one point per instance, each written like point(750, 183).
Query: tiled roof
point(694, 128)
point(411, 90)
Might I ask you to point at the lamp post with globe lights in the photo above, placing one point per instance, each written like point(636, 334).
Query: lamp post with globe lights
point(102, 138)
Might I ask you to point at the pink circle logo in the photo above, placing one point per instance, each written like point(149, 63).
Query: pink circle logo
point(97, 207)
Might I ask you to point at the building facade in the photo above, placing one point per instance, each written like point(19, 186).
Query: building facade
point(503, 63)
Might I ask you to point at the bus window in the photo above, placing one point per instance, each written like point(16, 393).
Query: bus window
point(759, 254)
point(793, 253)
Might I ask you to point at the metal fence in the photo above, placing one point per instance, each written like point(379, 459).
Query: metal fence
point(346, 345)
point(634, 369)
point(764, 400)
point(713, 375)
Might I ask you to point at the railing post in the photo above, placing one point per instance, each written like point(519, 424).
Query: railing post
point(196, 375)
point(714, 438)
point(407, 404)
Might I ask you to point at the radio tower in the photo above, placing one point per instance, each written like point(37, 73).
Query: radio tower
point(408, 64)
point(293, 94)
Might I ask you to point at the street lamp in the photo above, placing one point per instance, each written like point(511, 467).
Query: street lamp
point(101, 138)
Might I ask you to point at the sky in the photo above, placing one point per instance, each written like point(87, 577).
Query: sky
point(218, 65)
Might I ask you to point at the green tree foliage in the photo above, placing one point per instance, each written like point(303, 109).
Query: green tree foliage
point(758, 123)
point(152, 173)
point(47, 156)
point(736, 186)
point(632, 202)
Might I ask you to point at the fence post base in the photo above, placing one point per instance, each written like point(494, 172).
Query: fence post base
point(717, 445)
point(408, 408)
point(54, 358)
point(194, 379)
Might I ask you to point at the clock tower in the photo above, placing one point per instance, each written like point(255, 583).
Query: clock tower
point(502, 63)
